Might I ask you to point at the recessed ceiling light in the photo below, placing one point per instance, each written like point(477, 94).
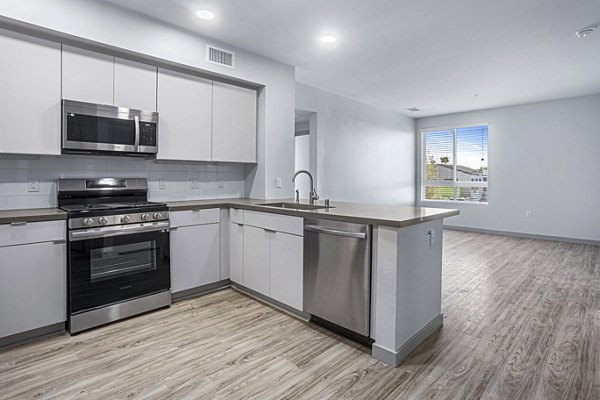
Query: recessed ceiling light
point(328, 39)
point(205, 14)
point(585, 32)
point(413, 109)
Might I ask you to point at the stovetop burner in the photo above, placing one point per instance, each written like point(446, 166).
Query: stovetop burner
point(89, 207)
point(101, 202)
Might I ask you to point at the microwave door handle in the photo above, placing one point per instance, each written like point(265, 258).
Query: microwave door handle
point(137, 132)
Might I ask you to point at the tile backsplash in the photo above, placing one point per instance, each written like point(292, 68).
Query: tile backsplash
point(167, 181)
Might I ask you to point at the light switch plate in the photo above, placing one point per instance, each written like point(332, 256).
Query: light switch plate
point(277, 182)
point(528, 214)
point(33, 185)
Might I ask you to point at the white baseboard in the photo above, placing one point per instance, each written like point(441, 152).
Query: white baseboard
point(395, 358)
point(524, 235)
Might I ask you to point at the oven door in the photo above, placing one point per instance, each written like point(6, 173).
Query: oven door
point(111, 264)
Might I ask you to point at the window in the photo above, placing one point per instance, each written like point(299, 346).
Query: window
point(455, 164)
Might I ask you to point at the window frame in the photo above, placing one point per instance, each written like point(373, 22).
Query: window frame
point(454, 183)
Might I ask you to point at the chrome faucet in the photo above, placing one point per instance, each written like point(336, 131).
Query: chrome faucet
point(313, 192)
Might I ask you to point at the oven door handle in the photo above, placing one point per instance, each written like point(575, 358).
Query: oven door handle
point(110, 231)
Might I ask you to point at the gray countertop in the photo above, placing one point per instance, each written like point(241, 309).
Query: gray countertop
point(385, 215)
point(394, 216)
point(31, 215)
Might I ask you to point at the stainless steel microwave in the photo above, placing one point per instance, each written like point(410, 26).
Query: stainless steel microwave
point(102, 129)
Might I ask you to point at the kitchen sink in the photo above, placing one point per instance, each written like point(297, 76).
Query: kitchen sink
point(296, 206)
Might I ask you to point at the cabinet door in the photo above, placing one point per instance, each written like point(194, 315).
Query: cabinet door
point(195, 255)
point(257, 242)
point(30, 101)
point(236, 252)
point(135, 85)
point(87, 76)
point(33, 291)
point(234, 123)
point(184, 107)
point(286, 269)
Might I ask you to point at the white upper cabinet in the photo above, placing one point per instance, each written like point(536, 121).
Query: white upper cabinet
point(184, 110)
point(30, 87)
point(87, 76)
point(135, 85)
point(234, 123)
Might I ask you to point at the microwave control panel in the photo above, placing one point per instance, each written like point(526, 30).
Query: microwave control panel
point(147, 134)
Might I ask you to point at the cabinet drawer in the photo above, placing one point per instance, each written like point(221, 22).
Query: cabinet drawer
point(275, 222)
point(19, 233)
point(195, 217)
point(236, 215)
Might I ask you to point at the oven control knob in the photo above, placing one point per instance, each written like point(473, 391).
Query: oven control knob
point(88, 222)
point(145, 217)
point(125, 219)
point(103, 220)
point(157, 215)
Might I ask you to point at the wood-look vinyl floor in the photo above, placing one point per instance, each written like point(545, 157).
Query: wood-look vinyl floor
point(522, 321)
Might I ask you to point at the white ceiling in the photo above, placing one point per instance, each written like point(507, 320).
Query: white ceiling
point(438, 55)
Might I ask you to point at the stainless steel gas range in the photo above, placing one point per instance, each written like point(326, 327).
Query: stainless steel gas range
point(118, 250)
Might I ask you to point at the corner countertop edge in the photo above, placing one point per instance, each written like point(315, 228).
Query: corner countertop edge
point(383, 215)
point(31, 215)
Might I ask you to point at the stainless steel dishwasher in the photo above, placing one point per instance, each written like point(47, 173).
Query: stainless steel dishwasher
point(337, 276)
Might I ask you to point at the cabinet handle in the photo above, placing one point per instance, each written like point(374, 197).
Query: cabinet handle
point(59, 241)
point(173, 228)
point(269, 230)
point(197, 210)
point(20, 223)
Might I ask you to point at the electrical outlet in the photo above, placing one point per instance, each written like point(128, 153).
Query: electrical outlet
point(193, 181)
point(33, 185)
point(162, 184)
point(527, 214)
point(277, 182)
point(221, 183)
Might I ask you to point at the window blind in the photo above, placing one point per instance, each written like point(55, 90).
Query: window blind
point(455, 164)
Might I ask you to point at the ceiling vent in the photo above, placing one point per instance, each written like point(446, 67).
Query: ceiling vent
point(413, 109)
point(219, 56)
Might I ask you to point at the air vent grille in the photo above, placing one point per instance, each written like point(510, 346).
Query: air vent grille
point(219, 56)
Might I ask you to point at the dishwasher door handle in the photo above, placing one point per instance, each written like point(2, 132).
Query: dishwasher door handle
point(316, 228)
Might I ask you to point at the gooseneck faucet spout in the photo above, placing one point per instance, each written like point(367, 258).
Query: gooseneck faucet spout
point(313, 192)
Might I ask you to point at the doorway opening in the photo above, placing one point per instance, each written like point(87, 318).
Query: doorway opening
point(305, 145)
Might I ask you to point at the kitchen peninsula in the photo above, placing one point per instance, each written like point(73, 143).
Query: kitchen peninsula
point(406, 264)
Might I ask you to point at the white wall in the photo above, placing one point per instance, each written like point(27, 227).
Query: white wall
point(15, 173)
point(365, 154)
point(543, 157)
point(114, 26)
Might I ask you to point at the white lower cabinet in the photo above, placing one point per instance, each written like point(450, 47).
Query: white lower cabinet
point(257, 249)
point(286, 275)
point(236, 252)
point(33, 277)
point(195, 249)
point(272, 263)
